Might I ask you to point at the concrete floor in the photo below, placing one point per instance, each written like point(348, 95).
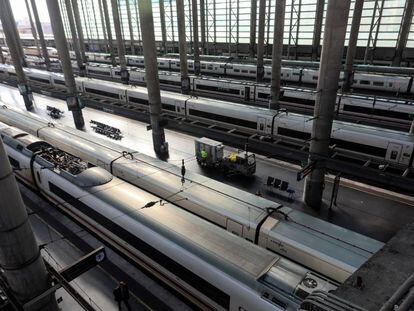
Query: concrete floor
point(375, 212)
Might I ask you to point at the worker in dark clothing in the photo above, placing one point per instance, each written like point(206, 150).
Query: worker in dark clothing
point(121, 294)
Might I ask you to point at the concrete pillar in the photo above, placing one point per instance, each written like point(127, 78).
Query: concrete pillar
point(195, 39)
point(8, 25)
point(151, 76)
point(203, 26)
point(253, 16)
point(185, 81)
point(42, 40)
point(277, 54)
point(20, 257)
point(352, 46)
point(316, 42)
point(332, 51)
point(79, 30)
point(163, 27)
point(131, 29)
point(109, 32)
point(32, 27)
point(75, 41)
point(404, 31)
point(16, 35)
point(260, 40)
point(120, 42)
point(73, 100)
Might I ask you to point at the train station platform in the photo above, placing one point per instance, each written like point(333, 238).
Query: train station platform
point(382, 274)
point(371, 211)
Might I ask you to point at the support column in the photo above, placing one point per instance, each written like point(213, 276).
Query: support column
point(73, 100)
point(20, 256)
point(185, 81)
point(120, 42)
point(195, 39)
point(131, 29)
point(163, 29)
point(75, 41)
point(32, 27)
point(151, 76)
point(79, 30)
point(8, 24)
point(103, 26)
point(260, 40)
point(203, 26)
point(45, 53)
point(404, 31)
point(16, 35)
point(253, 16)
point(277, 54)
point(352, 46)
point(331, 58)
point(320, 5)
point(109, 32)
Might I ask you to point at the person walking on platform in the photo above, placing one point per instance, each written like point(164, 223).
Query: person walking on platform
point(121, 294)
point(204, 157)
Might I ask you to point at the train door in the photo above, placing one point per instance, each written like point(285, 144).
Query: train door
point(393, 152)
point(247, 93)
point(234, 227)
point(261, 124)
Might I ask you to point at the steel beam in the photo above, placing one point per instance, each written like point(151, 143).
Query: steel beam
point(79, 30)
point(253, 17)
point(151, 76)
point(331, 59)
point(195, 39)
point(75, 37)
point(131, 29)
point(185, 82)
point(163, 29)
point(138, 27)
point(203, 26)
point(109, 32)
point(86, 22)
point(9, 25)
point(277, 54)
point(352, 46)
point(316, 42)
point(32, 27)
point(404, 31)
point(120, 42)
point(260, 41)
point(16, 35)
point(101, 14)
point(42, 40)
point(73, 101)
point(374, 30)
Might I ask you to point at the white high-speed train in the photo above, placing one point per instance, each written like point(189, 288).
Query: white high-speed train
point(323, 247)
point(221, 270)
point(362, 80)
point(393, 147)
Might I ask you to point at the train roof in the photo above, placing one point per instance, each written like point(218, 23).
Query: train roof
point(218, 247)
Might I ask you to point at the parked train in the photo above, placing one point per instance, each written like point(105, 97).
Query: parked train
point(222, 270)
point(323, 247)
point(392, 110)
point(392, 147)
point(308, 76)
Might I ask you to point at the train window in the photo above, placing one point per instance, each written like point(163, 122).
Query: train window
point(14, 162)
point(244, 71)
point(315, 78)
point(236, 70)
point(166, 262)
point(97, 72)
point(376, 151)
point(168, 107)
point(203, 66)
point(252, 71)
point(292, 133)
point(296, 74)
point(138, 100)
point(103, 93)
point(19, 147)
point(222, 118)
point(378, 83)
point(39, 80)
point(378, 112)
point(217, 89)
point(59, 82)
point(390, 84)
point(263, 95)
point(365, 82)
